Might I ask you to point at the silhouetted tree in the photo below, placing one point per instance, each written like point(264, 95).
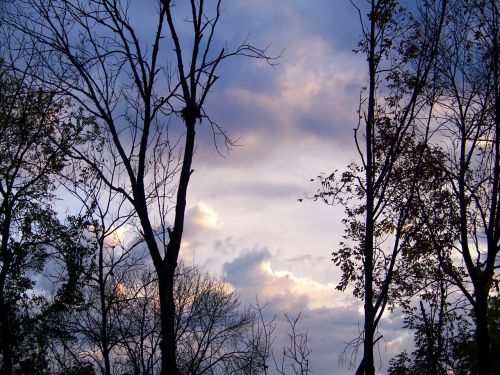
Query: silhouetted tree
point(295, 356)
point(214, 334)
point(34, 132)
point(114, 253)
point(95, 53)
point(467, 133)
point(439, 321)
point(379, 194)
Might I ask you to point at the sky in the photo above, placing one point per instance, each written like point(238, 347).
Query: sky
point(291, 122)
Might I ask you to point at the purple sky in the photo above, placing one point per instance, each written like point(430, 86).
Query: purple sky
point(293, 122)
point(244, 221)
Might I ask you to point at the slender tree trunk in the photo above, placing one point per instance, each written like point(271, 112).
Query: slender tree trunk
point(104, 310)
point(164, 271)
point(107, 363)
point(5, 337)
point(5, 324)
point(166, 275)
point(368, 361)
point(369, 329)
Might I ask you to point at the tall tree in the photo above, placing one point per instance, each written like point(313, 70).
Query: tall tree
point(441, 325)
point(94, 326)
point(99, 54)
point(379, 194)
point(31, 234)
point(467, 128)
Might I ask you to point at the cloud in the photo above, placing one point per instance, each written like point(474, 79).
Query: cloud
point(200, 218)
point(331, 318)
point(119, 236)
point(252, 272)
point(311, 97)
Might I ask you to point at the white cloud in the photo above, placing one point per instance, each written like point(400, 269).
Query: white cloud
point(332, 318)
point(252, 273)
point(119, 236)
point(200, 218)
point(205, 216)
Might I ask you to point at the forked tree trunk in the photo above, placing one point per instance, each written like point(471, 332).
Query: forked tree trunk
point(168, 266)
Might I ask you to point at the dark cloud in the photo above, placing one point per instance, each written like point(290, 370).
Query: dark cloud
point(225, 246)
point(310, 94)
point(243, 272)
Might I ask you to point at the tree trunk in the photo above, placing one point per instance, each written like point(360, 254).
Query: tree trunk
point(369, 367)
point(105, 355)
point(5, 324)
point(104, 310)
point(5, 337)
point(368, 362)
point(169, 264)
point(482, 334)
point(167, 315)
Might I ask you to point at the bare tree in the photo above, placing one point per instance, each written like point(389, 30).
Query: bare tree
point(95, 53)
point(114, 254)
point(214, 334)
point(295, 355)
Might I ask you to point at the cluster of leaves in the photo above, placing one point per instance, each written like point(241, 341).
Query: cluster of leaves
point(421, 207)
point(444, 338)
point(34, 241)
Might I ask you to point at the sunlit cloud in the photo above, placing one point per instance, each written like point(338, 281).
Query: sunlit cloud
point(119, 236)
point(316, 95)
point(206, 216)
point(253, 273)
point(200, 218)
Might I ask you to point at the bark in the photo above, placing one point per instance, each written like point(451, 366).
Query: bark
point(104, 313)
point(5, 337)
point(368, 362)
point(167, 319)
point(5, 324)
point(482, 335)
point(167, 268)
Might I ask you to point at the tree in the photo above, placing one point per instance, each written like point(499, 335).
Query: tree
point(467, 126)
point(453, 331)
point(380, 194)
point(116, 328)
point(94, 53)
point(295, 355)
point(440, 322)
point(32, 237)
point(94, 326)
point(214, 334)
